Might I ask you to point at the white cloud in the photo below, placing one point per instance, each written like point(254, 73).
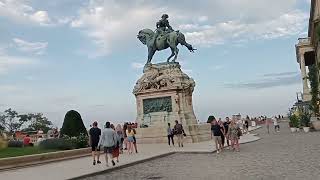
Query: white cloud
point(30, 47)
point(8, 88)
point(203, 18)
point(109, 23)
point(137, 65)
point(22, 12)
point(216, 67)
point(10, 62)
point(40, 17)
point(287, 24)
point(113, 24)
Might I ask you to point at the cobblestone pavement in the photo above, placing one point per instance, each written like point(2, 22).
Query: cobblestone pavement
point(277, 156)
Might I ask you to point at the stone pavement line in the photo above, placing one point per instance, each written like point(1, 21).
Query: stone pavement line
point(69, 169)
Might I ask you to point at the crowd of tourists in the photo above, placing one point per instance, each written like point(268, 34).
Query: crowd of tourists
point(228, 133)
point(114, 140)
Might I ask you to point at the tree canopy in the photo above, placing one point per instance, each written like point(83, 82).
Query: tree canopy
point(11, 121)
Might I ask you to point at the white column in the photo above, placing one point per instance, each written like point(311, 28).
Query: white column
point(304, 74)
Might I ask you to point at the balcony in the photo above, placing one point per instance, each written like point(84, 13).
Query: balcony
point(304, 41)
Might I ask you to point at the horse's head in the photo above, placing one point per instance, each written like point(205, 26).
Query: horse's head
point(145, 35)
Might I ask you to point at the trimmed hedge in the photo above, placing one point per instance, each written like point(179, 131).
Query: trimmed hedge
point(80, 141)
point(73, 125)
point(59, 144)
point(14, 143)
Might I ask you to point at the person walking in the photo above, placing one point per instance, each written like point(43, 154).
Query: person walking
point(246, 123)
point(275, 124)
point(130, 134)
point(108, 141)
point(216, 135)
point(222, 134)
point(116, 150)
point(226, 128)
point(170, 135)
point(178, 130)
point(125, 137)
point(233, 134)
point(268, 124)
point(119, 132)
point(134, 138)
point(94, 137)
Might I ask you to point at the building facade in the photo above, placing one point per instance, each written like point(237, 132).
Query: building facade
point(308, 48)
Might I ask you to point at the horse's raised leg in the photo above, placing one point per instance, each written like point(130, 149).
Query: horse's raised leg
point(172, 54)
point(176, 51)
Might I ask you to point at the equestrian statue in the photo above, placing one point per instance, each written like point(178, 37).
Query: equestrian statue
point(164, 37)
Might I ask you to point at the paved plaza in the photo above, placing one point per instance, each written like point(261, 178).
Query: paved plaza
point(277, 156)
point(81, 166)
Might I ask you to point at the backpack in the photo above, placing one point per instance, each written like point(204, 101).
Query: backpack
point(178, 129)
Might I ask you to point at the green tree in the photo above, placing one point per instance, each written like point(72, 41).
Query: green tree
point(36, 122)
point(10, 121)
point(73, 125)
point(314, 84)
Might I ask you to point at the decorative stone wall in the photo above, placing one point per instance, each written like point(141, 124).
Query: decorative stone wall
point(163, 95)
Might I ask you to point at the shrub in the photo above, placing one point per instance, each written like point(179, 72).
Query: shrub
point(60, 144)
point(14, 143)
point(80, 141)
point(73, 125)
point(305, 119)
point(294, 121)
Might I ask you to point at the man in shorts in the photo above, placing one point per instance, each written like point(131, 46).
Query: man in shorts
point(108, 141)
point(216, 135)
point(94, 136)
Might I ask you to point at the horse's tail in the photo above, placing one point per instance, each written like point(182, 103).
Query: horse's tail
point(182, 41)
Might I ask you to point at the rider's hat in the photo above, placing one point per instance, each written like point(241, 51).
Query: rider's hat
point(165, 16)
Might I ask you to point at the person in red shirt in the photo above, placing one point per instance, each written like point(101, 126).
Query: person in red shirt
point(27, 141)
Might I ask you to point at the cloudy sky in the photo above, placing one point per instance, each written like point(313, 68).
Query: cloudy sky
point(84, 55)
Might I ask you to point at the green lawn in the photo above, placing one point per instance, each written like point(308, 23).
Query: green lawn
point(12, 152)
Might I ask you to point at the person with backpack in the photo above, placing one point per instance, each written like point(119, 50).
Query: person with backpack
point(179, 132)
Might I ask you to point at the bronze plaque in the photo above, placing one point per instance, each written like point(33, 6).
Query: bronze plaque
point(160, 104)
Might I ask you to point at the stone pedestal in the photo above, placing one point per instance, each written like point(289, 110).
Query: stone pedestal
point(163, 95)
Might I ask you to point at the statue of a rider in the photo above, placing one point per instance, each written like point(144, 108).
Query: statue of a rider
point(163, 27)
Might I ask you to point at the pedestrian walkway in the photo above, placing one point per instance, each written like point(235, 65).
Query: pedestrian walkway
point(81, 166)
point(277, 156)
